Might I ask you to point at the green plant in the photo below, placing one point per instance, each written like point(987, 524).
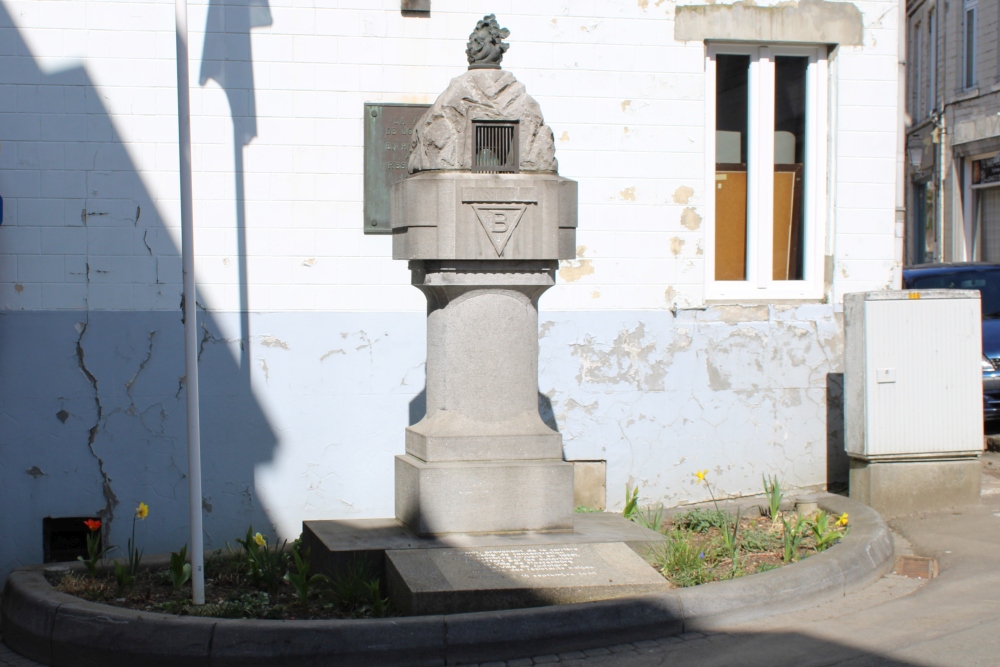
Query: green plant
point(651, 517)
point(379, 605)
point(357, 592)
point(791, 537)
point(730, 538)
point(701, 520)
point(180, 569)
point(125, 573)
point(631, 501)
point(680, 559)
point(94, 551)
point(300, 579)
point(123, 577)
point(583, 509)
point(758, 540)
point(265, 565)
point(774, 495)
point(824, 534)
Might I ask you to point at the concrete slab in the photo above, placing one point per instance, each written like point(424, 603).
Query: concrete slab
point(439, 581)
point(336, 544)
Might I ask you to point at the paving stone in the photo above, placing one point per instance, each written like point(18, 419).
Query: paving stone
point(572, 655)
point(621, 648)
point(545, 659)
point(520, 662)
point(691, 635)
point(590, 652)
point(646, 643)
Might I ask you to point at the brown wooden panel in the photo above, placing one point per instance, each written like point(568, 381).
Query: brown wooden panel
point(787, 222)
point(730, 225)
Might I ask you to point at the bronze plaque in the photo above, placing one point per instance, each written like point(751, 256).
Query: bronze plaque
point(388, 134)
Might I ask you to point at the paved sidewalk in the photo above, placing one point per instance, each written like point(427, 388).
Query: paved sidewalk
point(953, 620)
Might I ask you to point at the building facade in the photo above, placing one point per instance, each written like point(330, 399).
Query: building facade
point(953, 138)
point(738, 168)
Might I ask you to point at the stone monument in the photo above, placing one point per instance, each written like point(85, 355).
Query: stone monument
point(484, 500)
point(483, 218)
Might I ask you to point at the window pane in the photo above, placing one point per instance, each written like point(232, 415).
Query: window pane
point(970, 48)
point(731, 124)
point(789, 165)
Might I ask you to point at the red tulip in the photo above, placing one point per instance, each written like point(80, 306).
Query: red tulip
point(93, 524)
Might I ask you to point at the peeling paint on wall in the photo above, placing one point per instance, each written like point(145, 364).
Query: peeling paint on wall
point(630, 359)
point(271, 341)
point(683, 194)
point(628, 194)
point(676, 246)
point(572, 270)
point(690, 218)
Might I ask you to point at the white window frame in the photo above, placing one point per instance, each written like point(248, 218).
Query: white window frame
point(759, 284)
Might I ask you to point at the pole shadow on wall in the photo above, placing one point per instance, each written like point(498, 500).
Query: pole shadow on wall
point(92, 401)
point(227, 59)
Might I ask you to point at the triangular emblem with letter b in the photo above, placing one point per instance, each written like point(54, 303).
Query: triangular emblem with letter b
point(499, 221)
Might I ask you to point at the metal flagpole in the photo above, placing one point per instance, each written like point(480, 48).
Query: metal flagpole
point(190, 307)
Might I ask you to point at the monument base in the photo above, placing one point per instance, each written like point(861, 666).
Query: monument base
point(434, 498)
point(895, 488)
point(337, 546)
point(449, 581)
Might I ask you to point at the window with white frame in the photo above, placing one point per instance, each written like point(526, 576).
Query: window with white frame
point(767, 130)
point(969, 44)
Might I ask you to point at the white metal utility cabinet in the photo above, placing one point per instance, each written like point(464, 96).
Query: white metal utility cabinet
point(913, 398)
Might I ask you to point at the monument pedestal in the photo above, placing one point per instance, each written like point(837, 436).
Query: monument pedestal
point(482, 460)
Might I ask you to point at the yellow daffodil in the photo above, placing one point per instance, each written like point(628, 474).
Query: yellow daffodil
point(260, 540)
point(142, 511)
point(842, 521)
point(701, 475)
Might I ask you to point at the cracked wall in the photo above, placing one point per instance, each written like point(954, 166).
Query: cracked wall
point(740, 391)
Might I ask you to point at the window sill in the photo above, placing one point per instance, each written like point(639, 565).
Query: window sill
point(970, 94)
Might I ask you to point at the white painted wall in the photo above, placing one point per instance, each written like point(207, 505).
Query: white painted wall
point(87, 142)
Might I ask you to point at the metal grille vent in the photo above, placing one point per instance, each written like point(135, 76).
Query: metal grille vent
point(495, 147)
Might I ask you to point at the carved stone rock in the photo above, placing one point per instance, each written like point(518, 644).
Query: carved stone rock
point(443, 136)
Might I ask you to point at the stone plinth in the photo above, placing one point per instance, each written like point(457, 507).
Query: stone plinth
point(482, 459)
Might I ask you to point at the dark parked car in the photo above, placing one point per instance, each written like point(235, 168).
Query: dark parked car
point(985, 278)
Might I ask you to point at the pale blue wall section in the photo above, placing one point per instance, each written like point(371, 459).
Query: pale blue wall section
point(304, 421)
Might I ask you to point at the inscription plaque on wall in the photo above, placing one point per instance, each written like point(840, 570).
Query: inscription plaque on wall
point(388, 135)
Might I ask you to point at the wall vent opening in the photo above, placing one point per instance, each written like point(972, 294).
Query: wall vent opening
point(496, 146)
point(64, 538)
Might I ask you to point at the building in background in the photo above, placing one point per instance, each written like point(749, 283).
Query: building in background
point(738, 174)
point(953, 139)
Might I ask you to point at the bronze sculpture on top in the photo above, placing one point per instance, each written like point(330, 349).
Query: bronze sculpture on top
point(483, 218)
point(486, 46)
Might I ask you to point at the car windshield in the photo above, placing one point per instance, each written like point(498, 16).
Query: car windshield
point(987, 282)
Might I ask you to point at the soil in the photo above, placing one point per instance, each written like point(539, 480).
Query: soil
point(230, 594)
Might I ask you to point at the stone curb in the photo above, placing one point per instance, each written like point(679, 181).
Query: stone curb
point(61, 630)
